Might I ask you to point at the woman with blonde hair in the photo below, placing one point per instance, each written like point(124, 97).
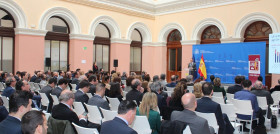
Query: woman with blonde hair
point(197, 90)
point(217, 86)
point(148, 107)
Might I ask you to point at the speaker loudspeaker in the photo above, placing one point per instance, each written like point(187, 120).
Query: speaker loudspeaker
point(48, 62)
point(115, 63)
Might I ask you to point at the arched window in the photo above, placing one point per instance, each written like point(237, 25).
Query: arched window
point(174, 54)
point(136, 52)
point(259, 31)
point(56, 44)
point(7, 34)
point(101, 47)
point(211, 35)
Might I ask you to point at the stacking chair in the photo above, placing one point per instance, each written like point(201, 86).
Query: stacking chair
point(1, 86)
point(55, 100)
point(230, 97)
point(94, 114)
point(218, 94)
point(32, 87)
point(37, 87)
point(79, 108)
point(114, 102)
point(219, 100)
point(83, 130)
point(6, 102)
point(89, 95)
point(169, 93)
point(44, 100)
point(141, 125)
point(228, 109)
point(262, 101)
point(190, 88)
point(243, 107)
point(108, 114)
point(170, 89)
point(74, 88)
point(187, 130)
point(211, 118)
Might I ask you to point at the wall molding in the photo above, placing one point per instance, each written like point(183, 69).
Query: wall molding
point(82, 37)
point(120, 41)
point(144, 30)
point(164, 32)
point(26, 31)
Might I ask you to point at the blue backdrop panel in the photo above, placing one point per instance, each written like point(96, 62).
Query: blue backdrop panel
point(229, 59)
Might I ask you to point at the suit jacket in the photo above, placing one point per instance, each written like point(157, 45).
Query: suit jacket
point(81, 97)
point(8, 91)
point(116, 126)
point(192, 66)
point(206, 105)
point(57, 91)
point(10, 125)
point(263, 93)
point(3, 113)
point(92, 89)
point(198, 125)
point(33, 78)
point(276, 88)
point(96, 100)
point(47, 90)
point(75, 81)
point(161, 101)
point(233, 89)
point(62, 112)
point(134, 95)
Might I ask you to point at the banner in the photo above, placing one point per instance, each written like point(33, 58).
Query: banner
point(254, 67)
point(274, 53)
point(228, 60)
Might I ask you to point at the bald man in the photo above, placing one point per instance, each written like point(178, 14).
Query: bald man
point(198, 125)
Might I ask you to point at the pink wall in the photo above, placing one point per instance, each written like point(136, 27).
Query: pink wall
point(154, 59)
point(121, 52)
point(81, 50)
point(186, 56)
point(29, 53)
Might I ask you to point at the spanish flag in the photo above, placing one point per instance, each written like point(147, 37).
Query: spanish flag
point(202, 68)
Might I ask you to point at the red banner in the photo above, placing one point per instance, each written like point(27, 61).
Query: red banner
point(254, 67)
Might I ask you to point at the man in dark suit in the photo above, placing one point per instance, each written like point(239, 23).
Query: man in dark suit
point(97, 99)
point(157, 89)
point(62, 84)
point(93, 82)
point(63, 110)
point(276, 88)
point(119, 125)
point(47, 90)
point(80, 95)
point(10, 84)
point(137, 91)
point(206, 105)
point(34, 122)
point(20, 103)
point(237, 87)
point(192, 67)
point(173, 82)
point(198, 125)
point(75, 80)
point(34, 77)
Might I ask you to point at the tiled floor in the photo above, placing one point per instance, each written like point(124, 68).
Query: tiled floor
point(267, 124)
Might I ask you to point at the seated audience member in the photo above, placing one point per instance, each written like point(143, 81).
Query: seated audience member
point(162, 93)
point(10, 84)
point(198, 125)
point(276, 88)
point(75, 80)
point(97, 99)
point(197, 90)
point(80, 95)
point(115, 91)
point(124, 76)
point(19, 103)
point(179, 91)
point(173, 82)
point(62, 84)
point(106, 81)
point(39, 77)
point(120, 124)
point(261, 92)
point(162, 80)
point(47, 90)
point(217, 86)
point(137, 91)
point(63, 110)
point(148, 107)
point(189, 80)
point(23, 85)
point(3, 111)
point(212, 77)
point(43, 79)
point(157, 89)
point(128, 83)
point(81, 78)
point(34, 122)
point(237, 87)
point(206, 105)
point(93, 82)
point(34, 77)
point(245, 94)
